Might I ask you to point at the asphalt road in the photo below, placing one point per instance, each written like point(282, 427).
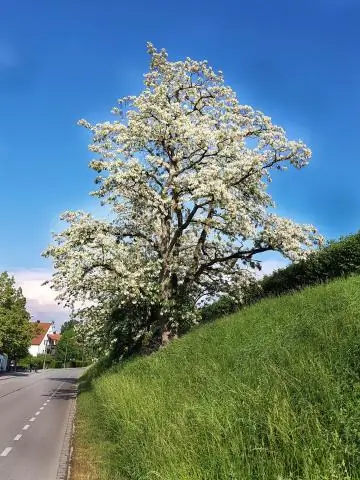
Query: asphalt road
point(34, 412)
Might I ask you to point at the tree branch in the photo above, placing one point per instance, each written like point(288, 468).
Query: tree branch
point(105, 266)
point(247, 254)
point(137, 235)
point(185, 225)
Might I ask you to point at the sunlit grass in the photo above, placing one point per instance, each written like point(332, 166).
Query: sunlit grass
point(269, 393)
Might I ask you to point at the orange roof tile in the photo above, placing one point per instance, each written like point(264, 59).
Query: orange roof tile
point(54, 336)
point(43, 328)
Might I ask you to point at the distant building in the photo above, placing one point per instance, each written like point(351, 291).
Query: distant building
point(46, 339)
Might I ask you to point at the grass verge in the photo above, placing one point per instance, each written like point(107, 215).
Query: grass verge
point(272, 392)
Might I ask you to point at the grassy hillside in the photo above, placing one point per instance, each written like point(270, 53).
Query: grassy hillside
point(272, 392)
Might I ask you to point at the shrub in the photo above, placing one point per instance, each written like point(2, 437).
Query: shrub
point(337, 259)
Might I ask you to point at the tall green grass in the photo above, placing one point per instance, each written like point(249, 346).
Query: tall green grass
point(272, 392)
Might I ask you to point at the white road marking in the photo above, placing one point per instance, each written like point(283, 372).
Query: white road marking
point(32, 419)
point(26, 427)
point(18, 437)
point(41, 408)
point(45, 404)
point(6, 451)
point(37, 413)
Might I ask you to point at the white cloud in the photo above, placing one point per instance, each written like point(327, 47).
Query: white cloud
point(40, 299)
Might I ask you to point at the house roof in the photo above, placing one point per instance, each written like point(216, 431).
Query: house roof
point(54, 336)
point(43, 328)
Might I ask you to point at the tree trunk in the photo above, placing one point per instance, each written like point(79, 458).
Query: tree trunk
point(160, 326)
point(167, 335)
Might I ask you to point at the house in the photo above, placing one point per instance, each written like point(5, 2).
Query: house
point(46, 339)
point(52, 340)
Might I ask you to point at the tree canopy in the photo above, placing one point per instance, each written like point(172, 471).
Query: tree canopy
point(16, 331)
point(68, 348)
point(185, 171)
point(68, 325)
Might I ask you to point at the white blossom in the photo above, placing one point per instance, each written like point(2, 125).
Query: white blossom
point(185, 170)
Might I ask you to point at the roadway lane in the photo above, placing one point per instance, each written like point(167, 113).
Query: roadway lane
point(34, 411)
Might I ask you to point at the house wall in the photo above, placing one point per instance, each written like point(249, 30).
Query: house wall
point(35, 350)
point(38, 349)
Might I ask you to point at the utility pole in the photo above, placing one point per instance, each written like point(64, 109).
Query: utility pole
point(45, 355)
point(65, 354)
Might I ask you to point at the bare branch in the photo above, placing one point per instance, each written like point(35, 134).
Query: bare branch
point(121, 235)
point(246, 254)
point(185, 225)
point(104, 266)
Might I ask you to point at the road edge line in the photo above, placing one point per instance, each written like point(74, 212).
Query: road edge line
point(63, 472)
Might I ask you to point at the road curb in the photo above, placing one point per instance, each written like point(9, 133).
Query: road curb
point(63, 472)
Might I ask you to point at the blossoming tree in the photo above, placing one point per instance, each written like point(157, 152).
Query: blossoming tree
point(185, 170)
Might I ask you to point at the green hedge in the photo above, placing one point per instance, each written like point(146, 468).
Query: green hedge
point(337, 259)
point(224, 306)
point(36, 362)
point(50, 362)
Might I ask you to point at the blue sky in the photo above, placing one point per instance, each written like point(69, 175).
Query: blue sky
point(64, 60)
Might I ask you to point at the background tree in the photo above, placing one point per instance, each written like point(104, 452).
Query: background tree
point(68, 348)
point(68, 325)
point(185, 171)
point(16, 331)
